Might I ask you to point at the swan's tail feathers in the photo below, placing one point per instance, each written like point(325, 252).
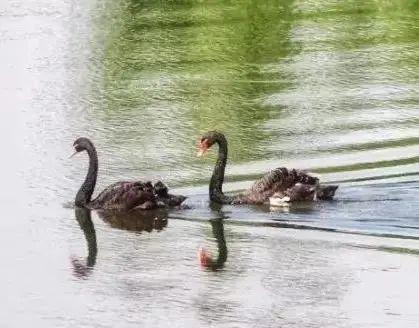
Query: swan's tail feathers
point(175, 200)
point(161, 189)
point(164, 197)
point(325, 192)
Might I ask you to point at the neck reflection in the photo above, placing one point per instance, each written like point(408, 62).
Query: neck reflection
point(80, 269)
point(217, 225)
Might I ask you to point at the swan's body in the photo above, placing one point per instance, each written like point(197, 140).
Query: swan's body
point(280, 185)
point(123, 195)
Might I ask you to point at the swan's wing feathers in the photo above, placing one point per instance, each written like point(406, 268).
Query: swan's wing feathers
point(277, 180)
point(125, 195)
point(304, 178)
point(274, 177)
point(281, 179)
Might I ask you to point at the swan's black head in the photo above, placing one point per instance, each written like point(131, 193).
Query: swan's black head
point(208, 140)
point(82, 144)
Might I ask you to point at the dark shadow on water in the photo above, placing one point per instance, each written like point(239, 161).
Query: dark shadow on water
point(80, 269)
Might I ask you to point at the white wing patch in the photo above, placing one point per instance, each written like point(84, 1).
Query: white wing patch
point(279, 201)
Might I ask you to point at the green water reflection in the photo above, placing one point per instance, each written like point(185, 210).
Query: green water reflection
point(285, 80)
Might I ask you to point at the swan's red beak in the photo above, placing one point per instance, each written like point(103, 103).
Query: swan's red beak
point(73, 154)
point(202, 147)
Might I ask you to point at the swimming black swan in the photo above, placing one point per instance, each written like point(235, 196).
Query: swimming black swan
point(279, 185)
point(123, 195)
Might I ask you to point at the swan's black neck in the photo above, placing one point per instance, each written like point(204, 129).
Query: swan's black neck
point(217, 179)
point(85, 192)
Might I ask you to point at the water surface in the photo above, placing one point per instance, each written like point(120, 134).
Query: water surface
point(326, 86)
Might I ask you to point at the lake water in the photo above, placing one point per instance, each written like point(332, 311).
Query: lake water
point(327, 86)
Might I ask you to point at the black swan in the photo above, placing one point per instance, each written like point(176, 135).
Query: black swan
point(281, 185)
point(123, 195)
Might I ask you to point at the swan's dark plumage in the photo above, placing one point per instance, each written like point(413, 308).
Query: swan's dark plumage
point(123, 195)
point(162, 194)
point(292, 183)
point(279, 180)
point(297, 192)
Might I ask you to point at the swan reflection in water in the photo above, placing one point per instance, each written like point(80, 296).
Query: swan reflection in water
point(81, 270)
point(204, 256)
point(135, 220)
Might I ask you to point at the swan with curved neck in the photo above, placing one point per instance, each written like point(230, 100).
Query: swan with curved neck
point(217, 178)
point(85, 192)
point(123, 195)
point(281, 184)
